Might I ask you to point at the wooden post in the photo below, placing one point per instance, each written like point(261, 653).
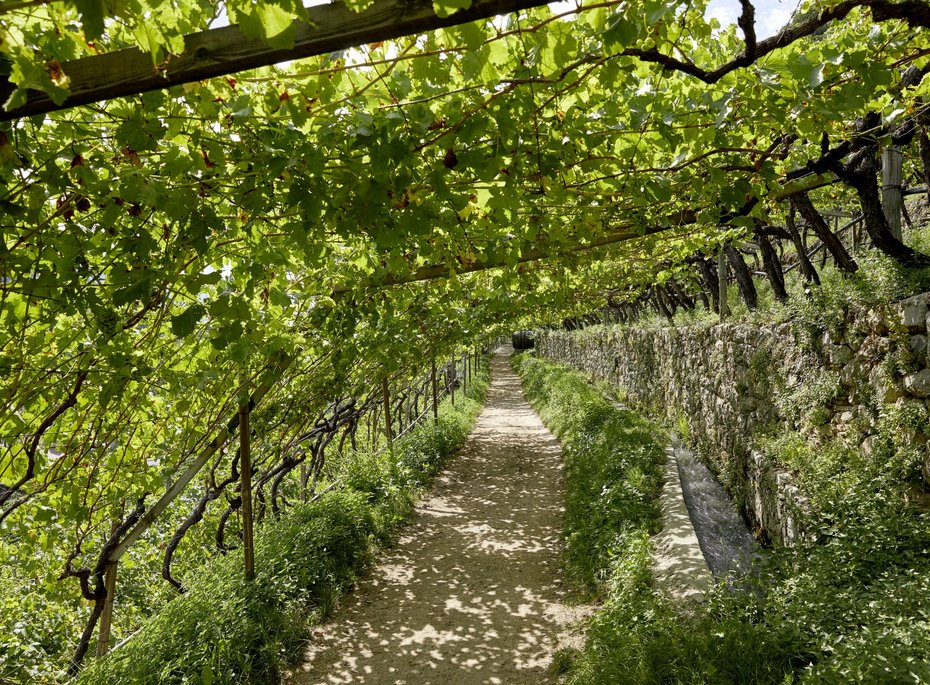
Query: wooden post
point(722, 281)
point(245, 475)
point(386, 394)
point(464, 372)
point(452, 380)
point(435, 390)
point(892, 198)
point(106, 617)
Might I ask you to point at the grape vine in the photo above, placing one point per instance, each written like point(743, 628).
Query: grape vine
point(315, 227)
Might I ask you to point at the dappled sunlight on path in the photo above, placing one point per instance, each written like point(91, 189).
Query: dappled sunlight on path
point(472, 593)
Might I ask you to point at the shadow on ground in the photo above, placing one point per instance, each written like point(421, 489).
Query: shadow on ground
point(472, 593)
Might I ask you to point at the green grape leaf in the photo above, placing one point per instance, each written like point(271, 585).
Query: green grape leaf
point(92, 15)
point(445, 8)
point(138, 291)
point(271, 23)
point(184, 323)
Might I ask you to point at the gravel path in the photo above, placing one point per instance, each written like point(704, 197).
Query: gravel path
point(472, 592)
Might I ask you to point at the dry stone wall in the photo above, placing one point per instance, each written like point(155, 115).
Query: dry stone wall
point(834, 378)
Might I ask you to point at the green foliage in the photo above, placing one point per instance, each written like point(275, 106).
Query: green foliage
point(228, 630)
point(238, 631)
point(639, 637)
point(613, 471)
point(613, 463)
point(33, 628)
point(156, 249)
point(849, 603)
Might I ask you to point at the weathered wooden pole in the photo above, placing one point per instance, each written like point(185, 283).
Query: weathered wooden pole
point(106, 617)
point(386, 395)
point(452, 380)
point(892, 197)
point(435, 390)
point(245, 482)
point(722, 281)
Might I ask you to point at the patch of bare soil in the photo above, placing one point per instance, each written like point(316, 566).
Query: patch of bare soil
point(472, 592)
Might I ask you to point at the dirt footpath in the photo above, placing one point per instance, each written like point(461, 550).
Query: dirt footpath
point(472, 593)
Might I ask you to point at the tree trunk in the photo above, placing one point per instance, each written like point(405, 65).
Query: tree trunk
point(84, 643)
point(815, 220)
point(435, 387)
point(807, 269)
point(386, 399)
point(661, 304)
point(245, 480)
point(709, 278)
point(743, 277)
point(860, 175)
point(772, 267)
point(723, 279)
point(684, 299)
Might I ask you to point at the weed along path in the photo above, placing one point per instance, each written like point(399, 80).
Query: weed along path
point(472, 592)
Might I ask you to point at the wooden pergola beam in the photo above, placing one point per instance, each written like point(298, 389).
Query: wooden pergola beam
point(226, 50)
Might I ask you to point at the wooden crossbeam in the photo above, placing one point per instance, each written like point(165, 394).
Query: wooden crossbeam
point(226, 50)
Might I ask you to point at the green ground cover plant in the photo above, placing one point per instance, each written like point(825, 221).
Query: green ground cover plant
point(228, 630)
point(613, 462)
point(848, 603)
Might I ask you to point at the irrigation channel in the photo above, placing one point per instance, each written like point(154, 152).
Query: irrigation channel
point(472, 593)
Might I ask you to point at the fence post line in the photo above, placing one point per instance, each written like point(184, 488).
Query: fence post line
point(452, 379)
point(386, 394)
point(245, 481)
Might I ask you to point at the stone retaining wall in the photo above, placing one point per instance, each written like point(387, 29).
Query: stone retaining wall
point(731, 380)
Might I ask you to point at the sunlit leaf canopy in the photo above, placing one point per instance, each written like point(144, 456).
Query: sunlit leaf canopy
point(359, 211)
